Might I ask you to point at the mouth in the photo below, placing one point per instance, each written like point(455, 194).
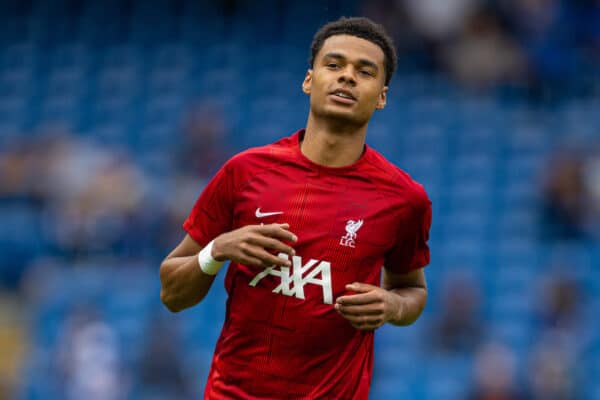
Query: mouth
point(343, 96)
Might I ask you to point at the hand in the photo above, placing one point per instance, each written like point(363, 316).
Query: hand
point(369, 308)
point(250, 245)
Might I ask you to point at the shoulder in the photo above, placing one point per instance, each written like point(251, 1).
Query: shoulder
point(397, 181)
point(262, 157)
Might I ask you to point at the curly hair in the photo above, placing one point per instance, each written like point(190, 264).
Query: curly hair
point(363, 28)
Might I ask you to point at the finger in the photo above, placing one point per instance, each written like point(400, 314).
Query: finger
point(366, 328)
point(267, 258)
point(279, 231)
point(285, 226)
point(251, 261)
point(270, 243)
point(369, 309)
point(362, 321)
point(361, 287)
point(361, 298)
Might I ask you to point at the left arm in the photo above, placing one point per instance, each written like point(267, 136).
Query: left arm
point(402, 295)
point(399, 301)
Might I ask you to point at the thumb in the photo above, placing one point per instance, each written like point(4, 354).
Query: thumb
point(360, 287)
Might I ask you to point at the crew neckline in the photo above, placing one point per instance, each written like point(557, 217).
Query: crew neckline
point(299, 135)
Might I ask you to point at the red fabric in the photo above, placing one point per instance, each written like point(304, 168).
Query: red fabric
point(282, 338)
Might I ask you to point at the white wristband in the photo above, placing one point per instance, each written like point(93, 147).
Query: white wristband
point(208, 264)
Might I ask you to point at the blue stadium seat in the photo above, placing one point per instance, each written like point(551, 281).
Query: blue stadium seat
point(478, 140)
point(446, 377)
point(516, 332)
point(383, 389)
point(516, 223)
point(13, 110)
point(19, 56)
point(423, 138)
point(21, 240)
point(155, 135)
point(16, 84)
point(473, 167)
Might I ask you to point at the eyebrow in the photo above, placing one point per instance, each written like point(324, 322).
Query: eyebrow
point(362, 61)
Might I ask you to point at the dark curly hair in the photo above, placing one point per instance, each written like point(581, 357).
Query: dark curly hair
point(363, 28)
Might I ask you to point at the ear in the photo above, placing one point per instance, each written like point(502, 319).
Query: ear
point(307, 83)
point(381, 101)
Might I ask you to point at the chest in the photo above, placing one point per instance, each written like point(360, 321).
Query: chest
point(333, 214)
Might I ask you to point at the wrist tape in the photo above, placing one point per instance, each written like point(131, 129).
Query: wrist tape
point(208, 264)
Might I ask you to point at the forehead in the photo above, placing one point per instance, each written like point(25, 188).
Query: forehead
point(352, 47)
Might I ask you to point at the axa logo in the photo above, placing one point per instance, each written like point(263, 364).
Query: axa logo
point(293, 279)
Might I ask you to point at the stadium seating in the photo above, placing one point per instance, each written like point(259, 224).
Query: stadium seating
point(125, 78)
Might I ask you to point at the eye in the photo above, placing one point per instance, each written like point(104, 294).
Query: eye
point(366, 72)
point(332, 65)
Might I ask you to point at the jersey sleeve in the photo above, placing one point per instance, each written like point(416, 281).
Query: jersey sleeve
point(411, 251)
point(212, 213)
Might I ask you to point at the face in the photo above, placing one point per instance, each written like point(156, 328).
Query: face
point(347, 82)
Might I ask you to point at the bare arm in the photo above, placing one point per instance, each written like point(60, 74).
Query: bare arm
point(399, 301)
point(184, 284)
point(410, 292)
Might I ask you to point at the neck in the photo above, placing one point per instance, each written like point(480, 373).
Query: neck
point(332, 145)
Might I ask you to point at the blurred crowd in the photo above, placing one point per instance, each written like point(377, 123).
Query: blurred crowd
point(85, 203)
point(80, 199)
point(570, 207)
point(530, 44)
point(545, 370)
point(93, 200)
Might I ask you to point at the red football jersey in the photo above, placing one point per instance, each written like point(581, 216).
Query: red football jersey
point(282, 338)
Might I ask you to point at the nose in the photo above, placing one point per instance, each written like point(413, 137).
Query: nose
point(347, 76)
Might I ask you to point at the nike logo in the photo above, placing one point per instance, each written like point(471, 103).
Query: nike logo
point(266, 214)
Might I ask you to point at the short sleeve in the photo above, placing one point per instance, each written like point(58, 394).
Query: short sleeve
point(411, 251)
point(212, 213)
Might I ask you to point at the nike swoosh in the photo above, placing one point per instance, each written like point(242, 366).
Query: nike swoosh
point(266, 214)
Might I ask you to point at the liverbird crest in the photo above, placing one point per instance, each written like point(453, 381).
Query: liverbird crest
point(351, 228)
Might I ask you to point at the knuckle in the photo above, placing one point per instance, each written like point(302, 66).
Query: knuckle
point(264, 258)
point(276, 260)
point(273, 227)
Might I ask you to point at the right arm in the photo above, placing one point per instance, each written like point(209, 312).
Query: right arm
point(184, 284)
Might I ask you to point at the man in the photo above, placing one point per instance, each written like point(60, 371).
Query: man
point(307, 223)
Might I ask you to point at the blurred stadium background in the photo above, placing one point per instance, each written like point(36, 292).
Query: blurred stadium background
point(113, 114)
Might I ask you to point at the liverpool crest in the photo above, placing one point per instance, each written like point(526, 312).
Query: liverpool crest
point(352, 227)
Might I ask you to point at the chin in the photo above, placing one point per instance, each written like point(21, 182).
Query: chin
point(342, 115)
point(345, 118)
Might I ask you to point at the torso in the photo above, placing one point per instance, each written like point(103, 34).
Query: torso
point(281, 331)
